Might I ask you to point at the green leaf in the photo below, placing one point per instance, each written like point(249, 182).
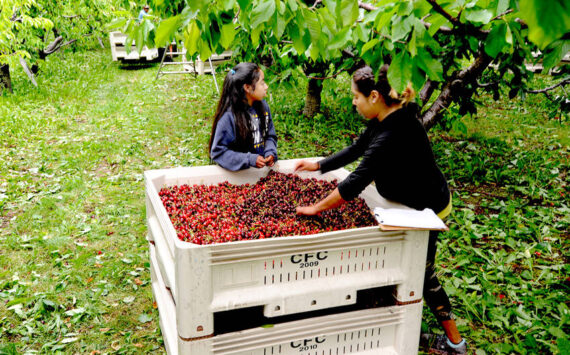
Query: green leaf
point(496, 40)
point(281, 8)
point(140, 39)
point(262, 13)
point(412, 45)
point(228, 34)
point(480, 16)
point(144, 318)
point(279, 25)
point(292, 5)
point(192, 38)
point(166, 30)
point(19, 301)
point(255, 33)
point(197, 4)
point(547, 20)
point(401, 29)
point(383, 19)
point(297, 38)
point(116, 23)
point(361, 32)
point(555, 55)
point(348, 12)
point(331, 5)
point(437, 21)
point(563, 345)
point(557, 332)
point(502, 6)
point(244, 4)
point(313, 25)
point(431, 66)
point(341, 38)
point(369, 45)
point(418, 77)
point(205, 50)
point(313, 52)
point(400, 72)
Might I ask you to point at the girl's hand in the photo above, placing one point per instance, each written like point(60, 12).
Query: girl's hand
point(270, 160)
point(307, 210)
point(260, 162)
point(306, 165)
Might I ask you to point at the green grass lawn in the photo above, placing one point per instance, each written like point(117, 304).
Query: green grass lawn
point(74, 271)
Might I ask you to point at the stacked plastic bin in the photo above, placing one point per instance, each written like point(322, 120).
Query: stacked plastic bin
point(284, 277)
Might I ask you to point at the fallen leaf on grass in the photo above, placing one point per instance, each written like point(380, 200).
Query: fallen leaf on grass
point(69, 340)
point(144, 318)
point(129, 299)
point(104, 330)
point(138, 345)
point(94, 352)
point(116, 346)
point(98, 265)
point(138, 282)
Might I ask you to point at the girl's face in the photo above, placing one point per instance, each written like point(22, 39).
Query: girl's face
point(260, 90)
point(366, 106)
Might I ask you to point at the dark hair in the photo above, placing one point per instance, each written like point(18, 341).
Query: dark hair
point(366, 82)
point(234, 99)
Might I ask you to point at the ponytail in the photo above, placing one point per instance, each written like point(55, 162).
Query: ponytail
point(365, 81)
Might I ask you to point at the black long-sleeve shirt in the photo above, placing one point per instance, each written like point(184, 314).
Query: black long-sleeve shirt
point(397, 156)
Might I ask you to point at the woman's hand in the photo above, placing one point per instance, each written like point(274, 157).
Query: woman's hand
point(260, 161)
point(307, 210)
point(270, 160)
point(305, 165)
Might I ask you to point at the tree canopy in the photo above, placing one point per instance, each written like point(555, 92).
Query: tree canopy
point(443, 46)
point(30, 30)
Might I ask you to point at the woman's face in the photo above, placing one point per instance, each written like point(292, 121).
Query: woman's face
point(260, 90)
point(364, 105)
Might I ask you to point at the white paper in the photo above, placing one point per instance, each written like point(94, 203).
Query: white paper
point(398, 217)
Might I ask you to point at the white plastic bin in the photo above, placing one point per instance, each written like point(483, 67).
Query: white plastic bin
point(284, 275)
point(119, 51)
point(203, 67)
point(377, 331)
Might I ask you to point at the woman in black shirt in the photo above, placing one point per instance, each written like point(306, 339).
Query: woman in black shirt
point(397, 156)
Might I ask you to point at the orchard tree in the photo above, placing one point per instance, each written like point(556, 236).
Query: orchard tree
point(451, 48)
point(30, 30)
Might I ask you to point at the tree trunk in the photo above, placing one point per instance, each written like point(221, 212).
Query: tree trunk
point(313, 99)
point(5, 80)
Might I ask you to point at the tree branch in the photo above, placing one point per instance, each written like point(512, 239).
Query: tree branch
point(427, 91)
point(501, 15)
point(366, 6)
point(444, 13)
point(450, 90)
point(486, 85)
point(315, 4)
point(545, 90)
point(28, 71)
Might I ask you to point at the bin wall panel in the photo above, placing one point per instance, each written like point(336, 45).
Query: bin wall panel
point(379, 331)
point(284, 275)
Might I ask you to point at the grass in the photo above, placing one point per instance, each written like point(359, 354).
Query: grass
point(74, 272)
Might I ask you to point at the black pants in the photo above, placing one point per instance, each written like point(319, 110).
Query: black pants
point(434, 294)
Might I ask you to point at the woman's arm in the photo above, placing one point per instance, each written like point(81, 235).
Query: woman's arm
point(333, 200)
point(221, 152)
point(347, 155)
